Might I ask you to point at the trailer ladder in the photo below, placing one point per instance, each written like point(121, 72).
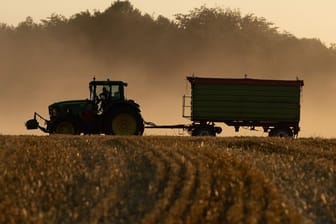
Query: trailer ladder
point(186, 108)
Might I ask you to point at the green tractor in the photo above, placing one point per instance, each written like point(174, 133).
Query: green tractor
point(106, 112)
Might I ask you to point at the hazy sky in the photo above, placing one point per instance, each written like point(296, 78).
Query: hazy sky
point(303, 18)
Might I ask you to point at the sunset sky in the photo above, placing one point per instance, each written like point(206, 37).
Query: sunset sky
point(303, 18)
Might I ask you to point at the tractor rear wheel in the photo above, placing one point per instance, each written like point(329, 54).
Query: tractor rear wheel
point(125, 122)
point(66, 128)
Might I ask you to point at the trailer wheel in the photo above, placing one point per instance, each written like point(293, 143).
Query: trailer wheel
point(66, 128)
point(281, 132)
point(204, 131)
point(125, 122)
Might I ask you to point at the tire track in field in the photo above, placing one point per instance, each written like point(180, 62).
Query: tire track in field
point(185, 183)
point(203, 192)
point(171, 190)
point(195, 185)
point(181, 204)
point(162, 188)
point(241, 193)
point(245, 195)
point(188, 187)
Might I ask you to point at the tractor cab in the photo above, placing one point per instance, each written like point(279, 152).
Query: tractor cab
point(105, 93)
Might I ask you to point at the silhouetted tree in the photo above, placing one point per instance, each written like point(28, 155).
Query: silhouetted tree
point(27, 26)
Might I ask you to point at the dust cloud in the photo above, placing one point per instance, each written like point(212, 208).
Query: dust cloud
point(37, 71)
point(31, 82)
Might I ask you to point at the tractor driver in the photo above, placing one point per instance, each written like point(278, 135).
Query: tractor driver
point(104, 94)
point(103, 97)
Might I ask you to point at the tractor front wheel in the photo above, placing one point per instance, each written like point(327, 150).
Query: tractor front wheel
point(66, 128)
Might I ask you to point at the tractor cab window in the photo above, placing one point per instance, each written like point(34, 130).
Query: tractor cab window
point(108, 92)
point(115, 92)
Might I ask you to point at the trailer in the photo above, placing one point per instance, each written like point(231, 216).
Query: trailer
point(273, 105)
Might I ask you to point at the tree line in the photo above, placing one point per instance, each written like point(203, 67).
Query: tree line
point(219, 39)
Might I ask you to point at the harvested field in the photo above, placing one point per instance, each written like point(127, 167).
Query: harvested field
point(99, 179)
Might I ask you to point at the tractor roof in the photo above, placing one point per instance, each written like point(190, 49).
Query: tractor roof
point(107, 82)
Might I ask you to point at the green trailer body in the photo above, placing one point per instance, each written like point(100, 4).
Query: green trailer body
point(246, 102)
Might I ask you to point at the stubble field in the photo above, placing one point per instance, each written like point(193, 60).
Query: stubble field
point(99, 179)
